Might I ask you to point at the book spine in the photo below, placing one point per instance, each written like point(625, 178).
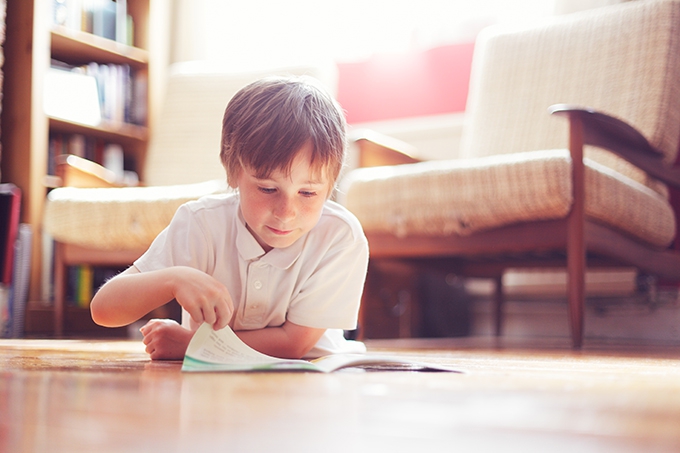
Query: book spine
point(140, 88)
point(72, 273)
point(106, 18)
point(20, 279)
point(47, 267)
point(84, 281)
point(84, 286)
point(52, 154)
point(76, 145)
point(10, 205)
point(121, 21)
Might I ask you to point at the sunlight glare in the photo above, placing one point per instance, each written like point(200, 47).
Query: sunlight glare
point(345, 30)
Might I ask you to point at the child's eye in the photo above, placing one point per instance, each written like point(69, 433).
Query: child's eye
point(267, 190)
point(307, 193)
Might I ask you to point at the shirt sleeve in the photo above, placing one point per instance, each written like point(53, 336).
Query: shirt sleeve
point(331, 295)
point(183, 243)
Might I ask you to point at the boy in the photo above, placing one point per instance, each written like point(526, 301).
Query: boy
point(276, 260)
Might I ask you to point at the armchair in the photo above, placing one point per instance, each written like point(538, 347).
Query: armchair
point(94, 222)
point(535, 190)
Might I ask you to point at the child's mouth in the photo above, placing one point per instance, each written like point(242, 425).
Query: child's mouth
point(279, 232)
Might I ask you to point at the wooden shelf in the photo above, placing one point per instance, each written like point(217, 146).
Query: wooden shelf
point(78, 47)
point(125, 134)
point(32, 41)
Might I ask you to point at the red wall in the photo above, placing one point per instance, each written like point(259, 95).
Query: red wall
point(404, 85)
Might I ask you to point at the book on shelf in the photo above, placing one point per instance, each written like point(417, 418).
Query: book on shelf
point(138, 98)
point(71, 96)
point(222, 350)
point(10, 208)
point(90, 93)
point(106, 18)
point(18, 296)
point(111, 156)
point(47, 267)
point(15, 247)
point(103, 13)
point(80, 145)
point(85, 286)
point(84, 280)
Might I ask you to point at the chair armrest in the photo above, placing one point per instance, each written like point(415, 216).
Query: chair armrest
point(75, 171)
point(605, 131)
point(377, 149)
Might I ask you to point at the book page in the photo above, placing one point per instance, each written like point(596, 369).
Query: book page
point(223, 350)
point(224, 346)
point(372, 362)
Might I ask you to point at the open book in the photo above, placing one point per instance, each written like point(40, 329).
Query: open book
point(222, 350)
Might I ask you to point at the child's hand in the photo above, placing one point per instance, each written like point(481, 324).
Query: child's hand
point(203, 297)
point(165, 339)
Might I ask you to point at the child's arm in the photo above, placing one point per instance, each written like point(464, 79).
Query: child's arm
point(131, 294)
point(289, 341)
point(167, 340)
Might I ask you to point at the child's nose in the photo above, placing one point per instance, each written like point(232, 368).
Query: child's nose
point(285, 209)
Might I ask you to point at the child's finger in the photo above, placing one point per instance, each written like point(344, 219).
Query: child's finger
point(224, 313)
point(209, 315)
point(195, 313)
point(221, 321)
point(146, 328)
point(219, 324)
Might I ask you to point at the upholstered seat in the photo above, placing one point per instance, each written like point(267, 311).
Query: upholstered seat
point(119, 218)
point(469, 195)
point(522, 169)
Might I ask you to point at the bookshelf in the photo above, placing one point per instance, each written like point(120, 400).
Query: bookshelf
point(33, 42)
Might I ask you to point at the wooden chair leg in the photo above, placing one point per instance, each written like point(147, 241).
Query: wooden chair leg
point(576, 248)
point(576, 289)
point(499, 299)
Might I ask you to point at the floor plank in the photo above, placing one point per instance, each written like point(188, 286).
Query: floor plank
point(72, 395)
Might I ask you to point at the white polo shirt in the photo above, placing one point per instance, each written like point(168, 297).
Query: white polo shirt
point(315, 282)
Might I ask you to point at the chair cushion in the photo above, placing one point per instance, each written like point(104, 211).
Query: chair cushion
point(119, 218)
point(468, 195)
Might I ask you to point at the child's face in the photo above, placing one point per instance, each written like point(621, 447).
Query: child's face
point(280, 209)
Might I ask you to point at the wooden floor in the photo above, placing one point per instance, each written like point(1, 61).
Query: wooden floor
point(101, 396)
